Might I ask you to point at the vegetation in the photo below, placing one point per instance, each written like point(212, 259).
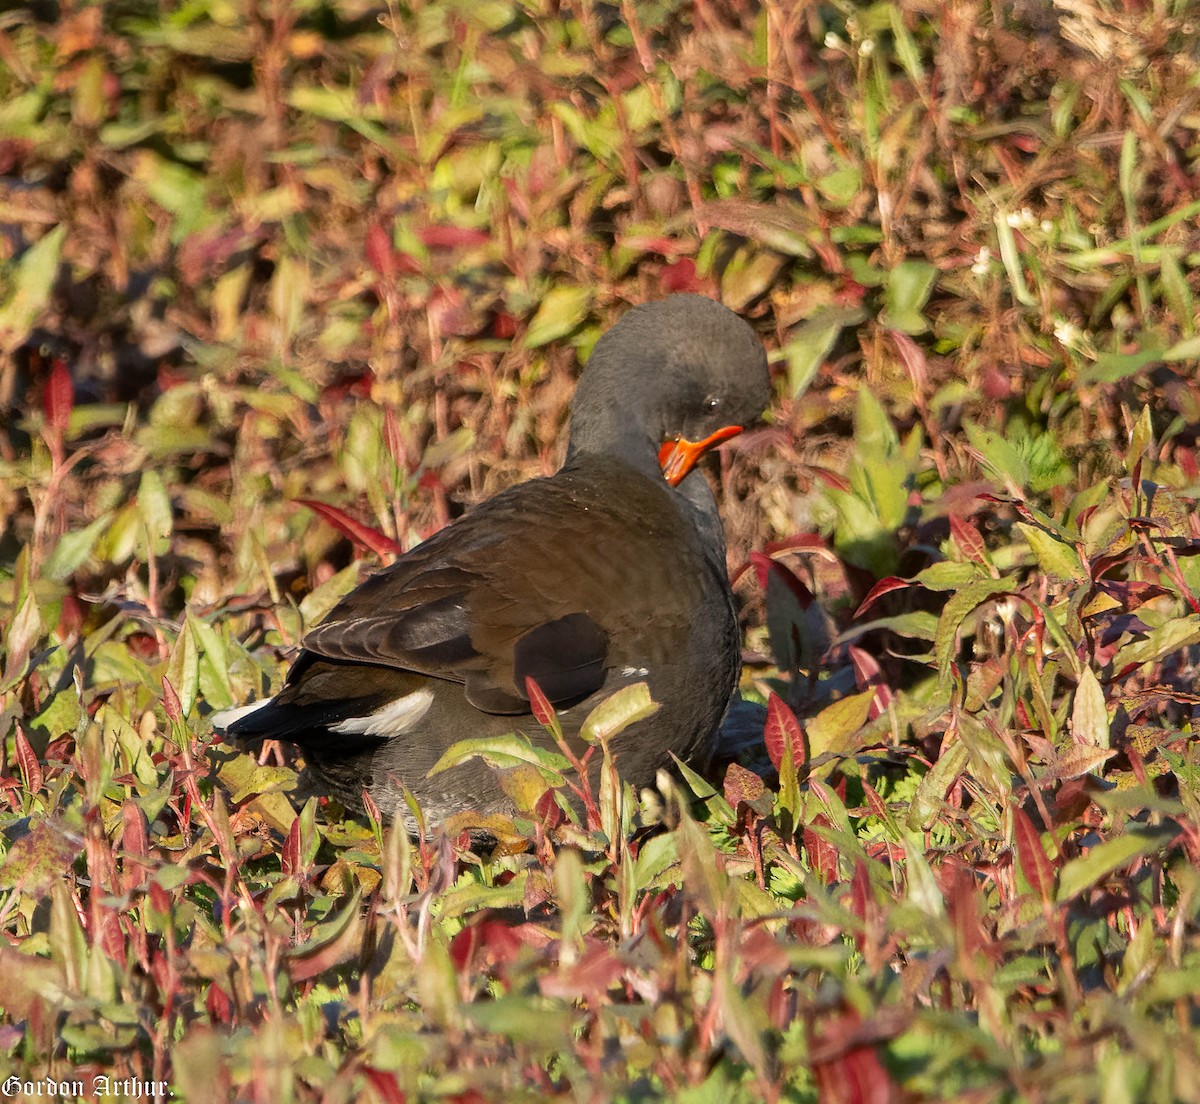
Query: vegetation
point(258, 255)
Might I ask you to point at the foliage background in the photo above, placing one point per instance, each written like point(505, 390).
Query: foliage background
point(352, 254)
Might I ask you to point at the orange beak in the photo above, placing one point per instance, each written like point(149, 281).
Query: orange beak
point(678, 457)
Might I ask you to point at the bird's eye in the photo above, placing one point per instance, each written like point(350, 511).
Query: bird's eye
point(712, 402)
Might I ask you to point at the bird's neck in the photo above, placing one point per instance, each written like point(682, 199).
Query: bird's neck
point(612, 435)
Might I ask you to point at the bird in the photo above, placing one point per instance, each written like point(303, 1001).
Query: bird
point(610, 572)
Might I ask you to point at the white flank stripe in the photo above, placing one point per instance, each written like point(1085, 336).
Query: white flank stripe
point(226, 717)
point(390, 720)
point(634, 672)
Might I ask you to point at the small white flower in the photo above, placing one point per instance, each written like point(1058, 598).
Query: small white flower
point(1047, 226)
point(980, 267)
point(1067, 333)
point(866, 47)
point(834, 42)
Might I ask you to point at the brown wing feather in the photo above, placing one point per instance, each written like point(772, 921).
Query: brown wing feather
point(459, 609)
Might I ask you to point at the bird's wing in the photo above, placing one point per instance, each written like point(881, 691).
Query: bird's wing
point(465, 607)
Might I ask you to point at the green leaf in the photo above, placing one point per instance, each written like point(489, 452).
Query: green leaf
point(831, 729)
point(658, 855)
point(1176, 292)
point(1089, 717)
point(24, 631)
point(1173, 636)
point(812, 341)
point(874, 433)
point(703, 870)
point(503, 752)
point(38, 859)
point(518, 1019)
point(749, 273)
point(562, 310)
point(154, 510)
point(330, 943)
point(176, 189)
point(1010, 257)
point(214, 664)
point(842, 186)
point(956, 610)
point(906, 47)
point(947, 575)
point(931, 793)
point(1140, 440)
point(999, 455)
point(73, 549)
point(1188, 349)
point(905, 295)
point(923, 889)
point(183, 668)
point(1111, 367)
point(1086, 871)
point(32, 281)
point(916, 624)
point(1056, 558)
point(617, 712)
point(860, 536)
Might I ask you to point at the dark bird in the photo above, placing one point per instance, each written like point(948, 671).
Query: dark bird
point(608, 573)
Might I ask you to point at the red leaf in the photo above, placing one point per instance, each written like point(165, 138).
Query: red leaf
point(372, 809)
point(680, 275)
point(385, 1085)
point(59, 396)
point(134, 840)
point(543, 711)
point(849, 293)
point(393, 440)
point(171, 705)
point(914, 360)
point(877, 804)
point(867, 673)
point(160, 899)
point(134, 844)
point(348, 383)
point(963, 904)
point(806, 542)
point(290, 859)
point(504, 326)
point(765, 568)
point(742, 785)
point(654, 243)
point(380, 251)
point(598, 969)
point(487, 939)
point(782, 729)
point(451, 237)
point(379, 543)
point(1035, 864)
point(220, 1007)
point(846, 1065)
point(884, 586)
point(1132, 593)
point(31, 769)
point(548, 811)
point(860, 890)
point(968, 539)
point(830, 478)
point(822, 855)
